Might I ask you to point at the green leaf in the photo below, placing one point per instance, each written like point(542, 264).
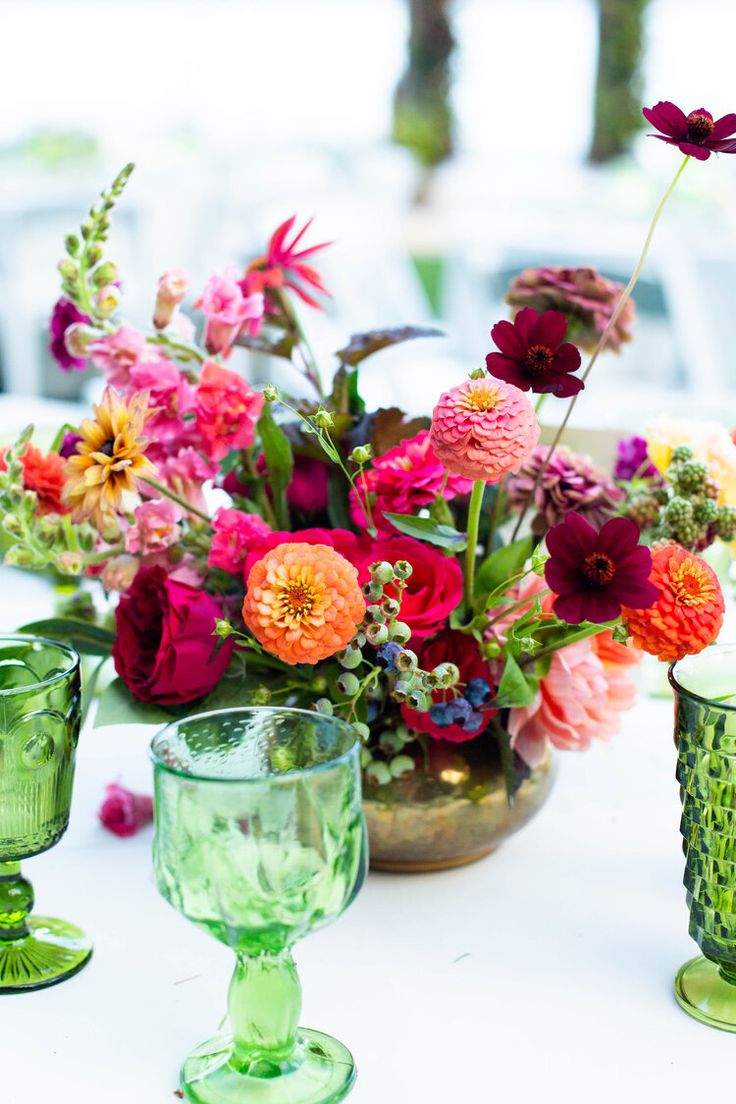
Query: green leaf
point(279, 462)
point(345, 396)
point(363, 345)
point(337, 499)
point(539, 559)
point(503, 741)
point(86, 638)
point(281, 348)
point(502, 565)
point(444, 536)
point(118, 706)
point(516, 688)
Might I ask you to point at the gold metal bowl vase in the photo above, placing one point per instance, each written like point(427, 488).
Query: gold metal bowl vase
point(451, 811)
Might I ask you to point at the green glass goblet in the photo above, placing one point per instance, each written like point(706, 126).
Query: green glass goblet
point(40, 714)
point(259, 840)
point(705, 733)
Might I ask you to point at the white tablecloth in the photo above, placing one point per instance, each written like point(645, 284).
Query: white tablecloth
point(544, 971)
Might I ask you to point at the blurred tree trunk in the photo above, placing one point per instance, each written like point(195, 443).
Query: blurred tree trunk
point(618, 88)
point(422, 115)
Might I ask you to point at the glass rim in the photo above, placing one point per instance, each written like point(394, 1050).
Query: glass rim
point(678, 687)
point(241, 780)
point(28, 638)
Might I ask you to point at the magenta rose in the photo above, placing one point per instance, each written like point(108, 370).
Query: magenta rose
point(434, 589)
point(164, 648)
point(124, 812)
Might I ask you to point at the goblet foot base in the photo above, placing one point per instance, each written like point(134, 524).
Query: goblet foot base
point(321, 1071)
point(53, 951)
point(702, 992)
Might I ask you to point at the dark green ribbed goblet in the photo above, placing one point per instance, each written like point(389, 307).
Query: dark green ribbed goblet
point(39, 728)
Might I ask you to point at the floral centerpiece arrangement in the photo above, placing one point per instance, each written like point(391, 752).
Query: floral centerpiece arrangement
point(442, 583)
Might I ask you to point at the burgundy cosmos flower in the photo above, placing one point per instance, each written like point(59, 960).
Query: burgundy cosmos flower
point(284, 266)
point(593, 574)
point(534, 355)
point(697, 134)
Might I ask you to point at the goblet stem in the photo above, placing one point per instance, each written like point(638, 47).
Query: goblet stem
point(16, 902)
point(264, 1004)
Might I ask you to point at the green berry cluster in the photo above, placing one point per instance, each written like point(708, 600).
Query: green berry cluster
point(686, 508)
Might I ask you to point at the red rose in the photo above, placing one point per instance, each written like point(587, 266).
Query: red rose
point(353, 548)
point(434, 588)
point(462, 650)
point(164, 648)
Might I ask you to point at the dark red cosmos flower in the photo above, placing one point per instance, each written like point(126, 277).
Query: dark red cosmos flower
point(594, 573)
point(284, 266)
point(534, 355)
point(697, 134)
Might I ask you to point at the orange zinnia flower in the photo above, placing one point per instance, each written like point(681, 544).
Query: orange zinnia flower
point(303, 602)
point(44, 475)
point(110, 458)
point(689, 612)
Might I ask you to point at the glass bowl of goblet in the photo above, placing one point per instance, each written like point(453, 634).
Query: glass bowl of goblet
point(260, 839)
point(40, 710)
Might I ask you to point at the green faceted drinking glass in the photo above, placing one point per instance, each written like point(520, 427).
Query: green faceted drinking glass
point(705, 733)
point(40, 714)
point(259, 840)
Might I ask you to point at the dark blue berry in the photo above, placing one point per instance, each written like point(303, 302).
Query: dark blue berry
point(473, 723)
point(438, 715)
point(387, 654)
point(478, 692)
point(459, 710)
point(372, 711)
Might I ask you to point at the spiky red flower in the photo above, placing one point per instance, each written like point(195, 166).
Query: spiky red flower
point(594, 573)
point(534, 354)
point(284, 266)
point(697, 134)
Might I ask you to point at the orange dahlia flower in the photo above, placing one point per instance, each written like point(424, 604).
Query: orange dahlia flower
point(303, 602)
point(689, 612)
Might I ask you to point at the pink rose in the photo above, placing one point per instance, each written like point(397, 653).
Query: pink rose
point(226, 410)
point(234, 534)
point(117, 353)
point(172, 287)
point(227, 310)
point(156, 527)
point(579, 701)
point(124, 812)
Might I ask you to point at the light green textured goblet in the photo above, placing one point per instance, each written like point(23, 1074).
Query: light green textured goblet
point(259, 840)
point(39, 727)
point(705, 732)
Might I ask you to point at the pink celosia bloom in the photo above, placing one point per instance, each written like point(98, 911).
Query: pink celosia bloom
point(186, 473)
point(579, 701)
point(227, 310)
point(235, 533)
point(124, 812)
point(403, 480)
point(484, 429)
point(172, 287)
point(117, 353)
point(156, 527)
point(227, 409)
point(119, 572)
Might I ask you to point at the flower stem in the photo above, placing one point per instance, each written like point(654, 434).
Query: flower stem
point(476, 501)
point(311, 369)
point(514, 607)
point(190, 509)
point(625, 296)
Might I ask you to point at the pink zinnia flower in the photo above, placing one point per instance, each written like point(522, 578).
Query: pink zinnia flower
point(156, 527)
point(534, 354)
point(697, 134)
point(235, 534)
point(579, 701)
point(227, 310)
point(117, 353)
point(124, 812)
point(284, 265)
point(172, 287)
point(483, 429)
point(595, 574)
point(63, 317)
point(227, 409)
point(406, 478)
